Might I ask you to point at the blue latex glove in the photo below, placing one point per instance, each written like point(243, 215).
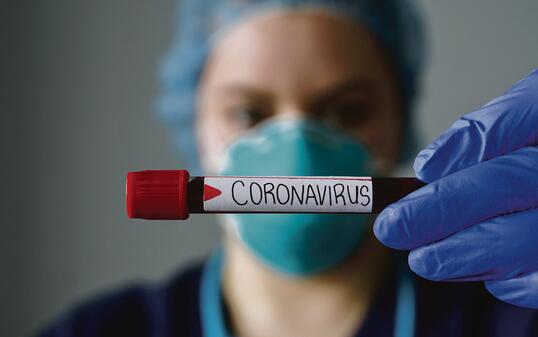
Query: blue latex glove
point(477, 219)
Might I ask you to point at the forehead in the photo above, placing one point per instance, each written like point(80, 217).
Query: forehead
point(305, 48)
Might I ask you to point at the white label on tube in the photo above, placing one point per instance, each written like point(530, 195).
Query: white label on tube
point(288, 194)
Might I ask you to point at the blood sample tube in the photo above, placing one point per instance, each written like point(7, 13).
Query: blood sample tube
point(172, 194)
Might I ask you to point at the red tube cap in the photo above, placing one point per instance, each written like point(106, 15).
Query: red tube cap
point(157, 195)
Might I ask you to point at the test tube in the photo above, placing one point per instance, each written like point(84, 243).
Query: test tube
point(174, 195)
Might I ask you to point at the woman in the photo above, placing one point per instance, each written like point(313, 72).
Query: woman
point(305, 88)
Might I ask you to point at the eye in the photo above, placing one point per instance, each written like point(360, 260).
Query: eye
point(345, 115)
point(244, 117)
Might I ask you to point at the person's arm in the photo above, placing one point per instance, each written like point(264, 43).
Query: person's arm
point(477, 219)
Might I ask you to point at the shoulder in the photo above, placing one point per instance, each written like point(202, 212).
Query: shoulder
point(140, 310)
point(467, 308)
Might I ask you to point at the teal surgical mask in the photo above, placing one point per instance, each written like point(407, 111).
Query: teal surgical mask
point(298, 244)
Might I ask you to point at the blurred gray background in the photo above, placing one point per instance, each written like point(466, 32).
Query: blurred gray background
point(77, 116)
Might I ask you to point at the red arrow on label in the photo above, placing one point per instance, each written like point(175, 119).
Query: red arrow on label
point(210, 192)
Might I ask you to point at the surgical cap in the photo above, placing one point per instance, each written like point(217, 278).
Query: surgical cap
point(396, 24)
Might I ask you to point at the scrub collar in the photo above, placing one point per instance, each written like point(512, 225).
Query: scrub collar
point(212, 309)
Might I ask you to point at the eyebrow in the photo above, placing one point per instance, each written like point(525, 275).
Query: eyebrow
point(352, 84)
point(246, 90)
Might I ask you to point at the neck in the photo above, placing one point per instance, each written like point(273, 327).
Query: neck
point(263, 302)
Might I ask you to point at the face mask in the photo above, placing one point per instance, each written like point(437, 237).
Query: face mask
point(298, 244)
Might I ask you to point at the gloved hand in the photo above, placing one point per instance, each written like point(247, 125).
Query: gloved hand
point(477, 219)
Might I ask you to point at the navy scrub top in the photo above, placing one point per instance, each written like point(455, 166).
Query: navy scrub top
point(173, 309)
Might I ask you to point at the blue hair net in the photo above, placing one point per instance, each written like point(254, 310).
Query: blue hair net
point(396, 24)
